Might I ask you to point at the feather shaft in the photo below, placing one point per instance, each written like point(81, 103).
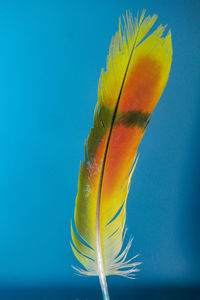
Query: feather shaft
point(102, 276)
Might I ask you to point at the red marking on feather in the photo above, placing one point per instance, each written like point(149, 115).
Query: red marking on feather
point(120, 157)
point(140, 88)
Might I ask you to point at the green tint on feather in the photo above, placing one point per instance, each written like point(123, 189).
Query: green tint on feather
point(133, 118)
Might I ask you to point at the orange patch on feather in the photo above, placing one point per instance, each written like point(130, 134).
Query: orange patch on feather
point(120, 157)
point(140, 88)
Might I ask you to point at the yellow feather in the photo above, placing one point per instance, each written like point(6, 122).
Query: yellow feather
point(137, 70)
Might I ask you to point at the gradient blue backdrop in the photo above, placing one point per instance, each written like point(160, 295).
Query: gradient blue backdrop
point(51, 55)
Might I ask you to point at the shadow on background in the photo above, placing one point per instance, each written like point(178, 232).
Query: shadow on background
point(90, 293)
point(194, 208)
point(194, 203)
point(191, 187)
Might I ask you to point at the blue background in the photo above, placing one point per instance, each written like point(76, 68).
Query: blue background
point(51, 55)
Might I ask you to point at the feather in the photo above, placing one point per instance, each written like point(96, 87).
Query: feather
point(137, 71)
